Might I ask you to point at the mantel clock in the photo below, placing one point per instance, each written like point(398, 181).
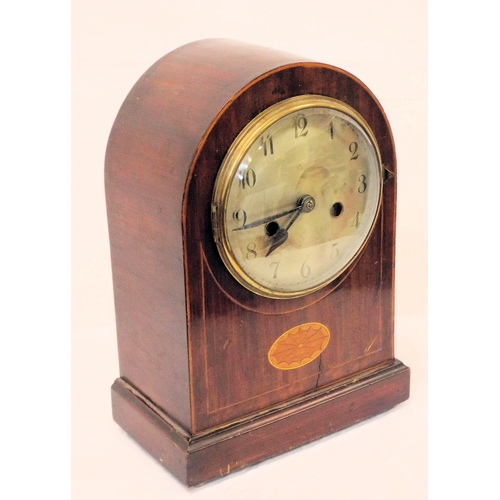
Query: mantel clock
point(251, 208)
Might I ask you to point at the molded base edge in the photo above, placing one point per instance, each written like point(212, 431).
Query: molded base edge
point(196, 459)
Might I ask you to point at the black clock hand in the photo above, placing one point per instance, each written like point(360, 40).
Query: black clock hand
point(305, 203)
point(282, 234)
point(265, 220)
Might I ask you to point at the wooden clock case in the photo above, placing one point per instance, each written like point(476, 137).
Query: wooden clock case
point(196, 389)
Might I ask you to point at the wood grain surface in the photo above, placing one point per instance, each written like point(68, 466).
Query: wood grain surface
point(190, 338)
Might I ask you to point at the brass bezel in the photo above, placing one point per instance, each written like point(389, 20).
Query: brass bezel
point(252, 131)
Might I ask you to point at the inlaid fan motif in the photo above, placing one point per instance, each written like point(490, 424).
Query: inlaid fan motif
point(299, 346)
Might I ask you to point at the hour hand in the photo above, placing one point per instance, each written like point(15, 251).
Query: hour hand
point(278, 239)
point(282, 234)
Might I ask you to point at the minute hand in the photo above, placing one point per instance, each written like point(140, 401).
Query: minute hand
point(265, 220)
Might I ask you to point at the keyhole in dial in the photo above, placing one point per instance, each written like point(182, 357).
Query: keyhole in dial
point(337, 209)
point(272, 228)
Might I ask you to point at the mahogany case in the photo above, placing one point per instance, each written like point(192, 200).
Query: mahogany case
point(196, 389)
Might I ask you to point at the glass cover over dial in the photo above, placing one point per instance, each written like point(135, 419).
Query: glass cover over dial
point(297, 196)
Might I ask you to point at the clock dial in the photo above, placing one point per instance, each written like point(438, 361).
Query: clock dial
point(297, 196)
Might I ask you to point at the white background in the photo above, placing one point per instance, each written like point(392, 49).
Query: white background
point(384, 43)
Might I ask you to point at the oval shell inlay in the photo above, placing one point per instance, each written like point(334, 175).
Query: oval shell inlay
point(299, 346)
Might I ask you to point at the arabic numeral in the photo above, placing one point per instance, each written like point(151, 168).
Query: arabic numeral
point(305, 271)
point(353, 148)
point(240, 216)
point(300, 125)
point(332, 130)
point(362, 187)
point(336, 251)
point(355, 222)
point(267, 144)
point(275, 265)
point(251, 253)
point(249, 178)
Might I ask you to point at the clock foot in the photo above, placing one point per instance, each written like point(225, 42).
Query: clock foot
point(196, 459)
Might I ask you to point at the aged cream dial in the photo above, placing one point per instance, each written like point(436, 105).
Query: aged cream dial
point(297, 196)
